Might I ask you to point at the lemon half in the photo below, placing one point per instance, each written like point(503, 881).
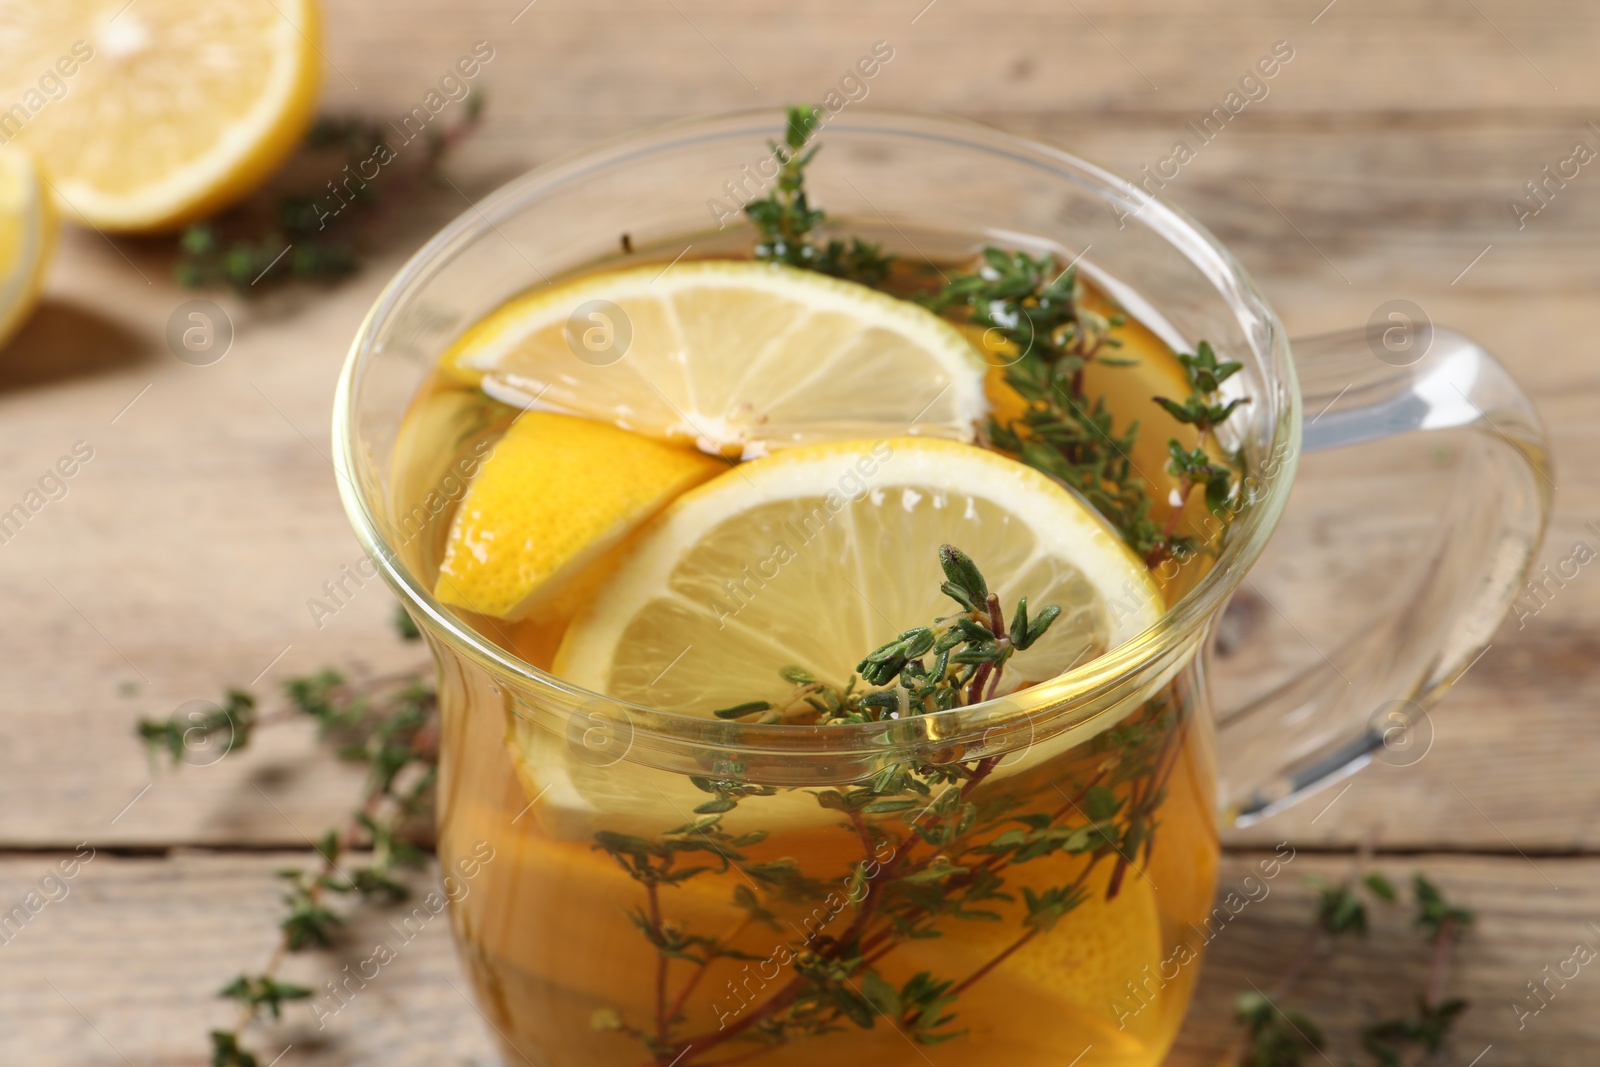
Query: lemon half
point(27, 238)
point(148, 115)
point(816, 555)
point(736, 357)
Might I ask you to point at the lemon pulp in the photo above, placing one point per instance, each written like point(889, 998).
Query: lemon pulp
point(27, 238)
point(555, 493)
point(738, 358)
point(172, 109)
point(815, 555)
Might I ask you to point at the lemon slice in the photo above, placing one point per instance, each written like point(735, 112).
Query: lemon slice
point(555, 494)
point(150, 114)
point(27, 237)
point(817, 555)
point(1074, 977)
point(739, 358)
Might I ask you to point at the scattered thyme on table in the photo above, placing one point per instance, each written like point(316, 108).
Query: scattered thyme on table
point(1272, 1036)
point(277, 236)
point(389, 723)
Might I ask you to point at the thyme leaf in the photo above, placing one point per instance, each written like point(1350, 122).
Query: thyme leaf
point(1036, 309)
point(787, 220)
point(389, 723)
point(950, 847)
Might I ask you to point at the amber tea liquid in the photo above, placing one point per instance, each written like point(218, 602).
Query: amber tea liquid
point(554, 934)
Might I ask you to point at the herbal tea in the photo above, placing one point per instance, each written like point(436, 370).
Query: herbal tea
point(797, 483)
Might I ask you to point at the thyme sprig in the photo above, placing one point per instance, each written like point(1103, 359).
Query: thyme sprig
point(955, 661)
point(949, 864)
point(1272, 1036)
point(936, 850)
point(787, 220)
point(1036, 308)
point(230, 723)
point(389, 723)
point(1195, 467)
point(294, 229)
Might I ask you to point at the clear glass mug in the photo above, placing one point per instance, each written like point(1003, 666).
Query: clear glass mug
point(570, 819)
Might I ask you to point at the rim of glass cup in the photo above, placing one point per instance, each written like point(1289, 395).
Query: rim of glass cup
point(1062, 702)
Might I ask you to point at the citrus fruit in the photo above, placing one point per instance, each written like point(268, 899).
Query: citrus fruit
point(1076, 974)
point(151, 114)
point(818, 554)
point(738, 358)
point(556, 493)
point(27, 237)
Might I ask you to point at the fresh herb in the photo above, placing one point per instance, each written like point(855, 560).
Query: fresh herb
point(263, 991)
point(1391, 1040)
point(346, 165)
point(1275, 1038)
point(957, 660)
point(225, 1051)
point(937, 850)
point(787, 220)
point(389, 723)
point(1202, 409)
point(1036, 310)
point(232, 722)
point(1272, 1036)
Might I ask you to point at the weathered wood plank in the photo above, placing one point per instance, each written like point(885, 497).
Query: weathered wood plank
point(124, 967)
point(183, 555)
point(611, 59)
point(205, 472)
point(1524, 923)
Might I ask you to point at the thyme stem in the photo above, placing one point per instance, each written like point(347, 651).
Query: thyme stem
point(388, 721)
point(653, 896)
point(1439, 970)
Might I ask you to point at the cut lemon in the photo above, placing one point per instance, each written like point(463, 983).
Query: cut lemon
point(1077, 974)
point(152, 114)
point(738, 358)
point(817, 555)
point(555, 494)
point(27, 237)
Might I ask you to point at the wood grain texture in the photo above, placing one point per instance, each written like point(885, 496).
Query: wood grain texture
point(1525, 923)
point(124, 969)
point(1379, 165)
point(184, 554)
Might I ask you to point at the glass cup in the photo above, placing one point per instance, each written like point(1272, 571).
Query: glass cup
point(637, 887)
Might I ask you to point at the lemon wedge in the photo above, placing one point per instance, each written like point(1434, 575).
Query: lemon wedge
point(816, 555)
point(738, 358)
point(27, 238)
point(149, 115)
point(555, 494)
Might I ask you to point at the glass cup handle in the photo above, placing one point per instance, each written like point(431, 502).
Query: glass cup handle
point(1329, 721)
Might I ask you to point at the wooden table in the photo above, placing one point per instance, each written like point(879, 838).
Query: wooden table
point(183, 555)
